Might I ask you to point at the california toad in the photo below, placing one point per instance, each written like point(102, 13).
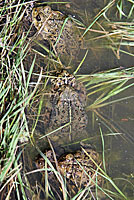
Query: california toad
point(66, 111)
point(58, 29)
point(81, 167)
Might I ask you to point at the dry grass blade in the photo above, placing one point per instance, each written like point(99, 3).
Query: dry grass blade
point(16, 92)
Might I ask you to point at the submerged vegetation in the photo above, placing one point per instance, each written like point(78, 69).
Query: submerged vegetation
point(23, 80)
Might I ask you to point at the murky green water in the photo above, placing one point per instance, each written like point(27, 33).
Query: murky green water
point(120, 116)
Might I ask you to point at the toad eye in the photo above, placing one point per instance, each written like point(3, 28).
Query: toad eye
point(38, 18)
point(47, 10)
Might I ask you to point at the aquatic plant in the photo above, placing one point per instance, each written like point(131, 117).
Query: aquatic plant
point(16, 82)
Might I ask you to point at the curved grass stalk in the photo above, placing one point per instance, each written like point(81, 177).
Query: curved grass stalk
point(107, 84)
point(101, 13)
point(77, 69)
point(106, 176)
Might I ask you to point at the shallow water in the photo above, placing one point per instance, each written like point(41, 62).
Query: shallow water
point(118, 149)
